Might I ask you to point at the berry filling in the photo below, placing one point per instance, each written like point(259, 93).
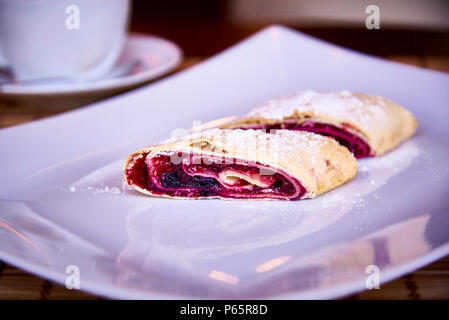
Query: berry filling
point(355, 144)
point(194, 175)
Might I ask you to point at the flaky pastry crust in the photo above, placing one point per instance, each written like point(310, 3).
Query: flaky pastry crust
point(380, 122)
point(319, 163)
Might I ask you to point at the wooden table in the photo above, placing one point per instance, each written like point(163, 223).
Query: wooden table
point(430, 282)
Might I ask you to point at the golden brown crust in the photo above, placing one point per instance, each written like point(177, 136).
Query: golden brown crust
point(317, 162)
point(380, 122)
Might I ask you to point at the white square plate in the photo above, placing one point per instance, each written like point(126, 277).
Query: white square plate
point(63, 203)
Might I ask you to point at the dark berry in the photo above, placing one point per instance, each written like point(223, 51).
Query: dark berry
point(170, 180)
point(205, 193)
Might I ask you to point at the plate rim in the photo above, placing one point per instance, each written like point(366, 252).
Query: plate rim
point(333, 292)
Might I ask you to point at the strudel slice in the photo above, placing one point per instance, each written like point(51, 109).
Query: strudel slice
point(241, 164)
point(367, 125)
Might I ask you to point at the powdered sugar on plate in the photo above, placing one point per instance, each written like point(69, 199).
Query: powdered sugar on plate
point(106, 180)
point(97, 190)
point(395, 160)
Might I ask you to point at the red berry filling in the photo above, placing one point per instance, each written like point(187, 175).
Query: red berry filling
point(355, 144)
point(195, 175)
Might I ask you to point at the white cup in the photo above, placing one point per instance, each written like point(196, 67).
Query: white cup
point(76, 39)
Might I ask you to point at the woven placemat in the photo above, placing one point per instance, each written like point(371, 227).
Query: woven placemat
point(430, 282)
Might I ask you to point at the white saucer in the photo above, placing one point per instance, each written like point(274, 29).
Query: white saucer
point(144, 58)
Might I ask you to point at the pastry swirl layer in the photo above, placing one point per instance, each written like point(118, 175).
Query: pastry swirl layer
point(377, 122)
point(241, 164)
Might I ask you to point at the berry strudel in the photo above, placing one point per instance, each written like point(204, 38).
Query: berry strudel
point(367, 125)
point(241, 164)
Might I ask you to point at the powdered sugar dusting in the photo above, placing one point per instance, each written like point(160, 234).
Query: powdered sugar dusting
point(285, 142)
point(396, 160)
point(103, 181)
point(95, 190)
point(342, 105)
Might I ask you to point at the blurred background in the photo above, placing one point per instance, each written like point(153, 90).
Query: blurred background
point(205, 27)
point(414, 32)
